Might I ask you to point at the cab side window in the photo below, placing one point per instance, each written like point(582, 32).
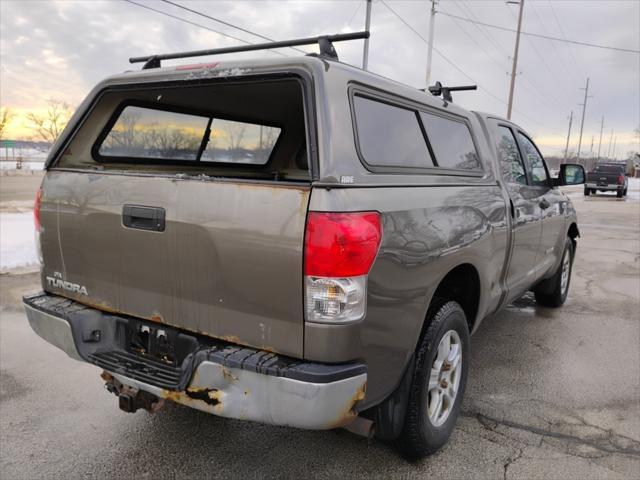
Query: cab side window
point(510, 161)
point(534, 161)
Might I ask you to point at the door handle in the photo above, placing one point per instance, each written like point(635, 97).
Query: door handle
point(544, 204)
point(143, 218)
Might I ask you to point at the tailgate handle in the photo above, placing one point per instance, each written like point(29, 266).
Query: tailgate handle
point(143, 218)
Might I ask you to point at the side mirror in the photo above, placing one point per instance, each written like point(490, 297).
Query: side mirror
point(571, 174)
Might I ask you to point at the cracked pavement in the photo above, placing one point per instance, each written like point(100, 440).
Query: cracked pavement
point(551, 394)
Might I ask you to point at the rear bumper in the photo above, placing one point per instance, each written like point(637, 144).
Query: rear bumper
point(595, 186)
point(214, 376)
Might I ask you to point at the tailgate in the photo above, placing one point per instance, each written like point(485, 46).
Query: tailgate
point(602, 178)
point(218, 253)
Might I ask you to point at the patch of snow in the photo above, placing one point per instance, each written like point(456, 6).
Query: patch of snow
point(17, 241)
point(26, 165)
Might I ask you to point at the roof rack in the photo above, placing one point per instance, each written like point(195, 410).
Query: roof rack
point(438, 89)
point(324, 41)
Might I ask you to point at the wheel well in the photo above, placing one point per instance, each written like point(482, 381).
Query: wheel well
point(573, 231)
point(462, 285)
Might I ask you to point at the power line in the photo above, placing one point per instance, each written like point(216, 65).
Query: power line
point(444, 57)
point(544, 97)
point(196, 12)
point(553, 44)
point(575, 62)
point(193, 23)
point(530, 34)
point(542, 59)
point(532, 88)
point(355, 12)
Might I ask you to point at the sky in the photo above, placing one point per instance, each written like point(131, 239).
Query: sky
point(61, 49)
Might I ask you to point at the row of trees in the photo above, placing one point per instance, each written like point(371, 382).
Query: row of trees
point(46, 126)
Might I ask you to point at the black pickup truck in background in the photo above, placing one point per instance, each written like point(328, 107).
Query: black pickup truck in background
point(607, 176)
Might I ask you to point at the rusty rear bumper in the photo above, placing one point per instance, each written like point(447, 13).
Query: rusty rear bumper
point(210, 375)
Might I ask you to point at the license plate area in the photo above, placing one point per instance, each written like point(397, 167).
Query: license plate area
point(158, 342)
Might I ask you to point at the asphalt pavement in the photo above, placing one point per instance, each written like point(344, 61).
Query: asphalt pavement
point(551, 394)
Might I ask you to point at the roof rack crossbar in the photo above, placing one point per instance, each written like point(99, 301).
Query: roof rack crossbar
point(438, 89)
point(324, 41)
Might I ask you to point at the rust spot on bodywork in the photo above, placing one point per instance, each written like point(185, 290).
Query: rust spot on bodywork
point(228, 375)
point(156, 317)
point(349, 413)
point(209, 396)
point(231, 339)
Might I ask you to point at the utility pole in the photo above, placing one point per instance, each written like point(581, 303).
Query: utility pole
point(584, 108)
point(432, 24)
point(591, 149)
point(367, 25)
point(613, 152)
point(566, 148)
point(600, 143)
point(515, 60)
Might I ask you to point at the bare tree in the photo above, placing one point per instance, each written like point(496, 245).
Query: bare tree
point(235, 133)
point(125, 133)
point(50, 125)
point(6, 116)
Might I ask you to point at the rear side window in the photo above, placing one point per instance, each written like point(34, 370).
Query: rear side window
point(451, 142)
point(146, 133)
point(510, 161)
point(534, 161)
point(152, 134)
point(390, 136)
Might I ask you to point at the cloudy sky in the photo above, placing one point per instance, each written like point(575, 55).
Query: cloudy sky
point(60, 49)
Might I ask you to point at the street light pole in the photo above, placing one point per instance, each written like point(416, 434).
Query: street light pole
point(367, 25)
point(515, 61)
point(432, 23)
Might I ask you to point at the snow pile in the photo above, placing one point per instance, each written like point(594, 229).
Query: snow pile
point(17, 241)
point(26, 165)
point(633, 189)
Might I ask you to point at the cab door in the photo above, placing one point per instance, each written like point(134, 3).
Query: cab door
point(525, 213)
point(552, 205)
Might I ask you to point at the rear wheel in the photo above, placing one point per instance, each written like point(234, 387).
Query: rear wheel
point(624, 192)
point(619, 193)
point(586, 191)
point(553, 292)
point(439, 380)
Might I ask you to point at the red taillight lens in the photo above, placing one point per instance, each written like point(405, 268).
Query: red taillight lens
point(341, 244)
point(620, 179)
point(36, 209)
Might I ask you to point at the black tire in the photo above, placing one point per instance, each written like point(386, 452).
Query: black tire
point(549, 293)
point(619, 193)
point(419, 436)
point(624, 192)
point(586, 191)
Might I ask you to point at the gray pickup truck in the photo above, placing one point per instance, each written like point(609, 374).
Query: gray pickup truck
point(292, 241)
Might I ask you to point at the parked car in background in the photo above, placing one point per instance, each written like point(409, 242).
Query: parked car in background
point(607, 177)
point(292, 241)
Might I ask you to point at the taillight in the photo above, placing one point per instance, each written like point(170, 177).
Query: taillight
point(340, 249)
point(36, 209)
point(620, 179)
point(36, 218)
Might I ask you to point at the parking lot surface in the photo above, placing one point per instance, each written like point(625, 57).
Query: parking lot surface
point(551, 393)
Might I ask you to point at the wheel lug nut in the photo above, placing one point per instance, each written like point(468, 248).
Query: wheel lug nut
point(444, 383)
